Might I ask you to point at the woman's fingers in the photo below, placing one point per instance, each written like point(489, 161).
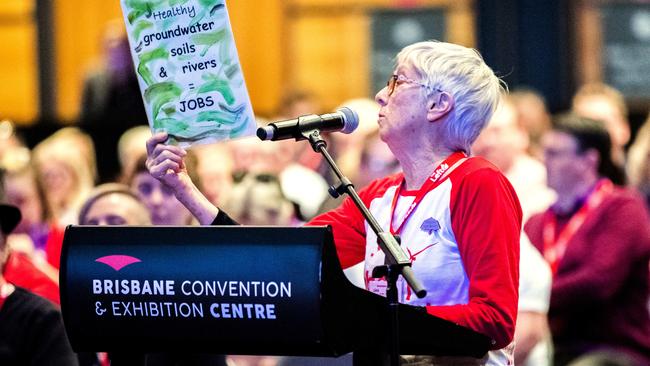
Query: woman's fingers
point(158, 138)
point(159, 170)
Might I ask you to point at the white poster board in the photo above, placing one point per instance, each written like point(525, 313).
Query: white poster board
point(188, 70)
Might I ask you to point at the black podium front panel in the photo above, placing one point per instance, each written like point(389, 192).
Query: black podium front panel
point(142, 288)
point(232, 290)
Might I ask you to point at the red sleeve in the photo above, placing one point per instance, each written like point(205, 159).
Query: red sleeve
point(486, 220)
point(53, 245)
point(349, 232)
point(348, 224)
point(20, 271)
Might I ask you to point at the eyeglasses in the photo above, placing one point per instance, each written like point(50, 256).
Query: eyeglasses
point(399, 79)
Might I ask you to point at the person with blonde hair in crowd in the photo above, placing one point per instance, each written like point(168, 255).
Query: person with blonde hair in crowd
point(130, 147)
point(638, 161)
point(215, 170)
point(504, 142)
point(20, 265)
point(457, 215)
point(605, 103)
point(349, 147)
point(533, 116)
point(37, 235)
point(65, 165)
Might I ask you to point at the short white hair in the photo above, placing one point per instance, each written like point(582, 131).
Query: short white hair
point(461, 72)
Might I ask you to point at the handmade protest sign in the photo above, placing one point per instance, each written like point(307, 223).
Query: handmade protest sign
point(188, 69)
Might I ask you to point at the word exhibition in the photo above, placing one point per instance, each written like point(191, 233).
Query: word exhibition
point(171, 309)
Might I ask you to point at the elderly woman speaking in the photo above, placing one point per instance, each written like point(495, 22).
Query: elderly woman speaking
point(458, 217)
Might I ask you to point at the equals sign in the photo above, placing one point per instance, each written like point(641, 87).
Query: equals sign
point(191, 86)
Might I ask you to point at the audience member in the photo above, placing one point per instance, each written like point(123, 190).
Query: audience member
point(245, 152)
point(638, 161)
point(596, 238)
point(22, 270)
point(376, 161)
point(130, 147)
point(160, 200)
point(64, 164)
point(215, 170)
point(111, 102)
point(296, 103)
point(36, 235)
point(258, 200)
point(604, 103)
point(113, 204)
point(31, 328)
point(533, 117)
point(532, 334)
point(349, 147)
point(303, 186)
point(22, 190)
point(504, 142)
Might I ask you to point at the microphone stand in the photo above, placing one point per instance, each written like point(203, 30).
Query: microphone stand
point(397, 262)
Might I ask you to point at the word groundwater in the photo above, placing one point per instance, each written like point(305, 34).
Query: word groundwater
point(177, 32)
point(192, 288)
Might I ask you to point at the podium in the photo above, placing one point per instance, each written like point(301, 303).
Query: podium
point(231, 290)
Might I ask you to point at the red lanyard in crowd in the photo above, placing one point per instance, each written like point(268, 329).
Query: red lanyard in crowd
point(438, 176)
point(555, 247)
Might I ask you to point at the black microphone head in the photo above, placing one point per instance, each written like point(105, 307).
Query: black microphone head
point(265, 133)
point(350, 119)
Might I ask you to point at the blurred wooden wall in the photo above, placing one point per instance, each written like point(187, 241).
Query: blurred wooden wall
point(319, 45)
point(18, 64)
point(329, 41)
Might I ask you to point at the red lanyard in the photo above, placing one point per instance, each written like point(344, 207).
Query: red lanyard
point(438, 176)
point(554, 248)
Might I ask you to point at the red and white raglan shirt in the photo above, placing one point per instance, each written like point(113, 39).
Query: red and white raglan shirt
point(461, 231)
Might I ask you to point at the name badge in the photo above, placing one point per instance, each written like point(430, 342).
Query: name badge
point(377, 286)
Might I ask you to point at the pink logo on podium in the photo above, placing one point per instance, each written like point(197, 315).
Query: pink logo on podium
point(118, 261)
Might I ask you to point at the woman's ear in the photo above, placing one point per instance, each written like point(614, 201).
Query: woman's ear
point(439, 105)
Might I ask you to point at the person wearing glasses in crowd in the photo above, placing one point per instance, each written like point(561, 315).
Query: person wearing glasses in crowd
point(458, 217)
point(596, 239)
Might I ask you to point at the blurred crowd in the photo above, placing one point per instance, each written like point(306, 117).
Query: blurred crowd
point(70, 178)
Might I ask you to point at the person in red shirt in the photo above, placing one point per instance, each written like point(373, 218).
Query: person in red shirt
point(596, 237)
point(31, 328)
point(458, 217)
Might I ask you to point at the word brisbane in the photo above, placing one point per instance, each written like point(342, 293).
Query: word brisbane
point(192, 288)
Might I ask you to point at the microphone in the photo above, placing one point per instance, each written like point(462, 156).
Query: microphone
point(344, 120)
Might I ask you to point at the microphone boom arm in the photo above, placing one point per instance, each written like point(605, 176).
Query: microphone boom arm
point(397, 262)
point(395, 255)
